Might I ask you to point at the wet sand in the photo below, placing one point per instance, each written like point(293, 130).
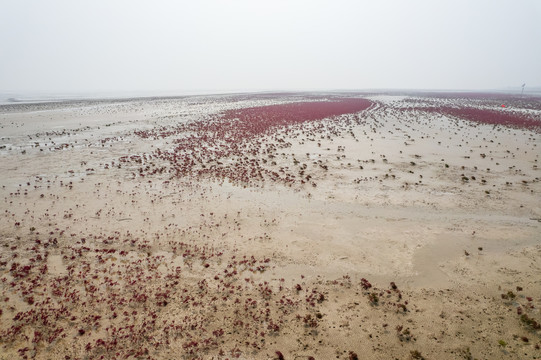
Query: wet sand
point(394, 232)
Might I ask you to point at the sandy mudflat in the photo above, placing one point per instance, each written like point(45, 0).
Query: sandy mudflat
point(219, 227)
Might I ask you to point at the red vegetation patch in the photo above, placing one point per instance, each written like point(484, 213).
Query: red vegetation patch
point(485, 116)
point(230, 145)
point(259, 119)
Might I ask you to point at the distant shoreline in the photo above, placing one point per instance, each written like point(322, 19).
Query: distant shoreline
point(9, 98)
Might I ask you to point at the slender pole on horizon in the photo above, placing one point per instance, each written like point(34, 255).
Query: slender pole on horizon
point(522, 92)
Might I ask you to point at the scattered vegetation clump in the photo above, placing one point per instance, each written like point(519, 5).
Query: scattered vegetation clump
point(531, 323)
point(509, 295)
point(466, 353)
point(374, 298)
point(404, 334)
point(365, 284)
point(416, 355)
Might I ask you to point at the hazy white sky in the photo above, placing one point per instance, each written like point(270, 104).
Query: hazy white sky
point(113, 45)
